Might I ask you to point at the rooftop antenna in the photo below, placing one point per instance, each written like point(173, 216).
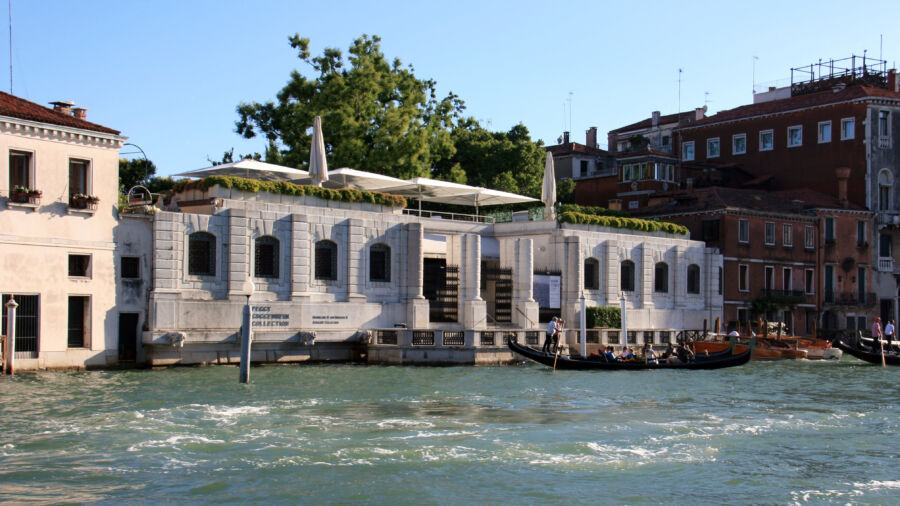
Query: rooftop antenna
point(706, 99)
point(570, 110)
point(755, 59)
point(9, 3)
point(679, 91)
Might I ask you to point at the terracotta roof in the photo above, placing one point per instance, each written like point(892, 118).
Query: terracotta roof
point(574, 147)
point(16, 107)
point(794, 103)
point(663, 120)
point(718, 198)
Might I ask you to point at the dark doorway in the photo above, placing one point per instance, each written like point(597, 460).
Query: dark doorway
point(128, 334)
point(441, 288)
point(496, 289)
point(887, 311)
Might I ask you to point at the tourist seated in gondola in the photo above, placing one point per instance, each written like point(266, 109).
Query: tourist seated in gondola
point(610, 354)
point(668, 353)
point(649, 354)
point(684, 354)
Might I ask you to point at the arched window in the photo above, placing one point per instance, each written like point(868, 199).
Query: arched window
point(266, 257)
point(885, 189)
point(202, 254)
point(326, 260)
point(627, 276)
point(591, 274)
point(693, 279)
point(661, 278)
point(380, 263)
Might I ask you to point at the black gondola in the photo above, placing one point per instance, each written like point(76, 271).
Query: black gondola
point(851, 345)
point(714, 361)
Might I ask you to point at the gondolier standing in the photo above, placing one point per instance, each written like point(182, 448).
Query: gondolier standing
point(552, 339)
point(876, 332)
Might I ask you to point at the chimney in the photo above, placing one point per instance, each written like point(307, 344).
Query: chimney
point(796, 205)
point(654, 119)
point(615, 204)
point(771, 88)
point(79, 112)
point(62, 106)
point(591, 137)
point(565, 137)
point(892, 82)
point(757, 202)
point(700, 113)
point(842, 174)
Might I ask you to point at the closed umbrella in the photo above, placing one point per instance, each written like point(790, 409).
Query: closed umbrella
point(548, 192)
point(318, 167)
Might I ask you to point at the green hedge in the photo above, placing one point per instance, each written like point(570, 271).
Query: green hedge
point(629, 223)
point(604, 316)
point(285, 188)
point(593, 211)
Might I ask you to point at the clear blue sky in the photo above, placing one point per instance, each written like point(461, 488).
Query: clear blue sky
point(169, 74)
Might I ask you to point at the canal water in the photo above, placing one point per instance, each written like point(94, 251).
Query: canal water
point(765, 433)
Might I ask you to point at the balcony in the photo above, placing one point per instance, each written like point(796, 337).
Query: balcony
point(784, 296)
point(884, 142)
point(852, 299)
point(886, 264)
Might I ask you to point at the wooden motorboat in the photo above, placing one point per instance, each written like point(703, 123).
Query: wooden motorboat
point(740, 356)
point(772, 348)
point(854, 346)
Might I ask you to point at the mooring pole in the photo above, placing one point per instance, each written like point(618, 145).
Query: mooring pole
point(624, 318)
point(583, 327)
point(10, 349)
point(246, 334)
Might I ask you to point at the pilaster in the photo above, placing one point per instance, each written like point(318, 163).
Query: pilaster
point(355, 266)
point(525, 308)
point(300, 257)
point(238, 253)
point(474, 308)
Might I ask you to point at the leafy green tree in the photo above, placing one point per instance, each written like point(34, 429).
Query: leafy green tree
point(135, 172)
point(376, 115)
point(565, 191)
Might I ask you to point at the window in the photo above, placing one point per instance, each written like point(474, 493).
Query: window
point(265, 257)
point(79, 177)
point(743, 278)
point(743, 231)
point(661, 278)
point(739, 144)
point(584, 167)
point(770, 233)
point(809, 281)
point(829, 230)
point(626, 173)
point(712, 148)
point(27, 323)
point(787, 283)
point(591, 274)
point(80, 266)
point(769, 280)
point(787, 235)
point(884, 197)
point(885, 245)
point(710, 230)
point(848, 128)
point(326, 260)
point(627, 276)
point(861, 322)
point(634, 204)
point(795, 136)
point(670, 171)
point(860, 233)
point(20, 173)
point(687, 151)
point(130, 267)
point(809, 238)
point(665, 141)
point(202, 254)
point(79, 321)
point(861, 284)
point(829, 283)
point(380, 263)
point(824, 132)
point(883, 124)
point(721, 283)
point(766, 140)
point(693, 279)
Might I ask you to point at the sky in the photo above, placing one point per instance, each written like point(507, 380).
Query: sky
point(169, 74)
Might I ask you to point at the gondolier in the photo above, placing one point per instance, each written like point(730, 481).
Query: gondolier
point(552, 340)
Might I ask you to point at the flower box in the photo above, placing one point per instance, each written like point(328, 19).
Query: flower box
point(80, 201)
point(18, 197)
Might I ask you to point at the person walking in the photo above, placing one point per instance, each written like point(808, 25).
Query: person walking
point(552, 335)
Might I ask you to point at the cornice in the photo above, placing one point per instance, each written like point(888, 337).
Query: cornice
point(49, 131)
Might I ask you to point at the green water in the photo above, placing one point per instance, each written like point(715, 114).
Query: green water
point(765, 433)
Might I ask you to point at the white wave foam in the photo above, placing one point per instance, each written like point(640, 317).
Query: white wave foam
point(172, 442)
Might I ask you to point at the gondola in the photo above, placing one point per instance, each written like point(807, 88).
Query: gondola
point(851, 345)
point(714, 361)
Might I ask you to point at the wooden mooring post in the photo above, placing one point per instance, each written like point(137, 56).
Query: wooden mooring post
point(9, 349)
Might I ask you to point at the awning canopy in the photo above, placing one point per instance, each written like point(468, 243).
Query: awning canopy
point(250, 169)
point(346, 177)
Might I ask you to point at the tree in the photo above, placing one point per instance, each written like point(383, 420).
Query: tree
point(565, 191)
point(376, 115)
point(134, 172)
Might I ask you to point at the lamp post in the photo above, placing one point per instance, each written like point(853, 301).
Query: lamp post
point(10, 348)
point(246, 333)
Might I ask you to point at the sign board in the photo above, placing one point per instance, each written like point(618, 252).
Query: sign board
point(548, 290)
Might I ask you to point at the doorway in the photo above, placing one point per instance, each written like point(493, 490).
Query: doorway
point(128, 334)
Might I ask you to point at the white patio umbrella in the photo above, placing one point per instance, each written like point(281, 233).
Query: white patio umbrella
point(432, 190)
point(483, 197)
point(250, 169)
point(548, 192)
point(318, 166)
point(346, 177)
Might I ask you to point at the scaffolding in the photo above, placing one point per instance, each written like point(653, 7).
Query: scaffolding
point(828, 74)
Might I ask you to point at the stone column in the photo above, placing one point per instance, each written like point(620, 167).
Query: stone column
point(572, 280)
point(238, 254)
point(474, 308)
point(301, 257)
point(613, 271)
point(416, 303)
point(355, 266)
point(647, 270)
point(525, 308)
point(679, 294)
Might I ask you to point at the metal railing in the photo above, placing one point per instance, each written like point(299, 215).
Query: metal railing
point(453, 338)
point(852, 299)
point(441, 215)
point(423, 338)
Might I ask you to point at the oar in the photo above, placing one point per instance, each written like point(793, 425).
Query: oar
point(883, 364)
point(557, 353)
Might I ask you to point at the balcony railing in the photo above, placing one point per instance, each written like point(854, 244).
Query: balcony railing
point(783, 293)
point(886, 264)
point(884, 142)
point(850, 299)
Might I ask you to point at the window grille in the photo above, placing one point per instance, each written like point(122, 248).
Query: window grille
point(202, 254)
point(326, 260)
point(266, 257)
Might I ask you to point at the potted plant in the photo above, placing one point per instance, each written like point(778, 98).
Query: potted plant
point(19, 195)
point(34, 196)
point(82, 201)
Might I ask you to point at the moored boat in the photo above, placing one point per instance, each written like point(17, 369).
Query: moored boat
point(853, 346)
point(771, 348)
point(739, 356)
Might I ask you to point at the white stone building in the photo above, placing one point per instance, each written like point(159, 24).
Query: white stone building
point(57, 248)
point(336, 280)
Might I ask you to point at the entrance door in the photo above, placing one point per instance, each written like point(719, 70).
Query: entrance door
point(128, 333)
point(887, 311)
